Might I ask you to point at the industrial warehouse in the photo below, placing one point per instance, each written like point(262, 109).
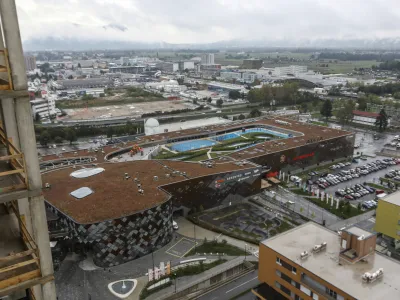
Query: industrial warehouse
point(122, 210)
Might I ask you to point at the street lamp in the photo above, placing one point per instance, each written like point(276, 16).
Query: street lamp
point(175, 281)
point(245, 251)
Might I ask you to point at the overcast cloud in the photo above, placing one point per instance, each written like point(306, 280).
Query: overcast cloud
point(206, 21)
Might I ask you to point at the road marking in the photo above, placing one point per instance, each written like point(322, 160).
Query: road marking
point(168, 251)
point(241, 285)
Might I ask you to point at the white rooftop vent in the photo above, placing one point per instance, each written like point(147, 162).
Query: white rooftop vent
point(371, 277)
point(304, 254)
point(81, 192)
point(320, 247)
point(155, 178)
point(47, 185)
point(83, 173)
point(360, 238)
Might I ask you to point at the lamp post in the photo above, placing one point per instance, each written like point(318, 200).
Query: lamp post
point(194, 231)
point(175, 281)
point(245, 251)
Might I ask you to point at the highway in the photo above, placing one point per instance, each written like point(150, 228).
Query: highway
point(233, 288)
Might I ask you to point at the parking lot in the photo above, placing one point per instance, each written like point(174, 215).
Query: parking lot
point(373, 177)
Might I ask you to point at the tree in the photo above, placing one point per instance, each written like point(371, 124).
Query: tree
point(362, 103)
point(209, 100)
point(70, 77)
point(58, 140)
point(110, 132)
point(44, 138)
point(345, 114)
point(180, 81)
point(326, 109)
point(255, 113)
point(70, 135)
point(79, 65)
point(359, 206)
point(220, 102)
point(37, 117)
point(304, 107)
point(382, 120)
point(242, 117)
point(162, 90)
point(195, 101)
point(234, 95)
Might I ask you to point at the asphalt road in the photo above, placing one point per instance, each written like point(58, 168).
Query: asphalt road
point(233, 288)
point(304, 207)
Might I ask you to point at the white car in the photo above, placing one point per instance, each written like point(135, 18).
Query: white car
point(175, 225)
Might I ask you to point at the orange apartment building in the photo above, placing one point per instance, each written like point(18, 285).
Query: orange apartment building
point(312, 262)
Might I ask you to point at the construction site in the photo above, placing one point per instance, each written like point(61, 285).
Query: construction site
point(26, 266)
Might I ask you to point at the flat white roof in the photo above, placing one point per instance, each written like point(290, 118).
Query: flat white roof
point(393, 198)
point(325, 264)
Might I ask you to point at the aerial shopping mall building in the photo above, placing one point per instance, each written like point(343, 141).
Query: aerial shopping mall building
point(123, 210)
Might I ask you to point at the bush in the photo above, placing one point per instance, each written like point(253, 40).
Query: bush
point(58, 140)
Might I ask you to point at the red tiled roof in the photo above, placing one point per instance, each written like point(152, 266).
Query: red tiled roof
point(365, 113)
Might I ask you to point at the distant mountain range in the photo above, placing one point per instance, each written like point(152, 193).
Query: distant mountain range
point(80, 45)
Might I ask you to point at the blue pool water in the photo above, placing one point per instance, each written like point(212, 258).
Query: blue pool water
point(236, 134)
point(192, 145)
point(198, 144)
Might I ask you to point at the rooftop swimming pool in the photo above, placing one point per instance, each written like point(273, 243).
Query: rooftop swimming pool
point(203, 143)
point(192, 145)
point(238, 133)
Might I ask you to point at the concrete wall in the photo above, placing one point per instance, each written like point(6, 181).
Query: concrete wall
point(387, 218)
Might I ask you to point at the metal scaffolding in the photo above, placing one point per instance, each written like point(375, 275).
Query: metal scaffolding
point(26, 266)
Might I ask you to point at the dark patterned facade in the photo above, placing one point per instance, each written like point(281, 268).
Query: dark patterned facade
point(212, 190)
point(117, 241)
point(314, 153)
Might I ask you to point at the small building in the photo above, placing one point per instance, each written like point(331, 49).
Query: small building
point(45, 108)
point(313, 262)
point(127, 69)
point(252, 63)
point(364, 117)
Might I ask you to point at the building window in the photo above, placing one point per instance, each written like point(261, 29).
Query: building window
point(331, 293)
point(282, 288)
point(288, 266)
point(278, 261)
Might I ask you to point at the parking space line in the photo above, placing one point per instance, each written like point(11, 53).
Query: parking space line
point(170, 250)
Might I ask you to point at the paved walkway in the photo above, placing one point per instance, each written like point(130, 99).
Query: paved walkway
point(188, 229)
point(185, 282)
point(353, 220)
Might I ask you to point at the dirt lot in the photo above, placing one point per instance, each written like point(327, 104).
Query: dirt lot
point(134, 110)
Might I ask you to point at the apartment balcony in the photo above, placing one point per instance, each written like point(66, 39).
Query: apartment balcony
point(19, 259)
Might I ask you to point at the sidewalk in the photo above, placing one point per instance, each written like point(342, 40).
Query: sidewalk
point(185, 282)
point(187, 228)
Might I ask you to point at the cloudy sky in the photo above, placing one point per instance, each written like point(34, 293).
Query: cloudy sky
point(204, 21)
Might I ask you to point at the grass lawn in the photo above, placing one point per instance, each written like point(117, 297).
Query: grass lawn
point(347, 211)
point(216, 247)
point(377, 186)
point(198, 158)
point(319, 123)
